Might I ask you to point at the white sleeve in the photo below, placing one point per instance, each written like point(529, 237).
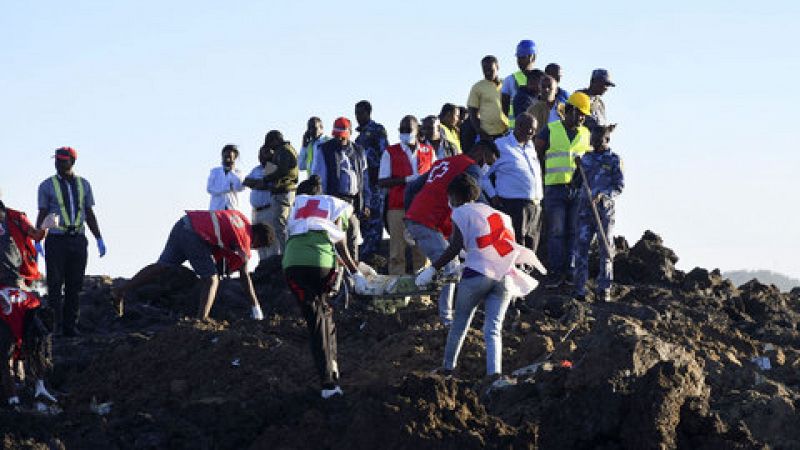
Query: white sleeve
point(217, 184)
point(236, 178)
point(385, 170)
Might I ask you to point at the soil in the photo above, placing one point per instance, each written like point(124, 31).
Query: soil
point(668, 364)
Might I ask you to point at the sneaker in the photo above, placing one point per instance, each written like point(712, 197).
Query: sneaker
point(328, 393)
point(256, 313)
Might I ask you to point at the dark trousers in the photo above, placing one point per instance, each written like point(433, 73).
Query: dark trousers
point(65, 258)
point(310, 286)
point(526, 219)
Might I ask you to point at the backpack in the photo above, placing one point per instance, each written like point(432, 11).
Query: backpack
point(18, 226)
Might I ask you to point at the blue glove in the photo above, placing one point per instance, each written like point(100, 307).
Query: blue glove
point(101, 247)
point(39, 250)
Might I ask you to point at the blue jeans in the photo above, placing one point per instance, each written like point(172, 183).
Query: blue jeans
point(470, 293)
point(433, 244)
point(561, 216)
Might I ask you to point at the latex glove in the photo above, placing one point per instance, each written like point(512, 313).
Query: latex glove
point(425, 277)
point(361, 284)
point(39, 250)
point(408, 238)
point(50, 221)
point(41, 391)
point(101, 247)
point(410, 178)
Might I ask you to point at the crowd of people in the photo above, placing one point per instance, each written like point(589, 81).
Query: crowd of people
point(523, 161)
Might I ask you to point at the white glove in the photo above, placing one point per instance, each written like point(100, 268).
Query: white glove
point(50, 221)
point(366, 270)
point(425, 277)
point(408, 238)
point(361, 284)
point(410, 178)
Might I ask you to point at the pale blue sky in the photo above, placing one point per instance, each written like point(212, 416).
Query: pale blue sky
point(148, 92)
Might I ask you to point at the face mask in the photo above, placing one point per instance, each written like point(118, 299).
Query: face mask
point(485, 168)
point(408, 138)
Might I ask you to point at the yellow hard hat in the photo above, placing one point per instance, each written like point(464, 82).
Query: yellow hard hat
point(580, 101)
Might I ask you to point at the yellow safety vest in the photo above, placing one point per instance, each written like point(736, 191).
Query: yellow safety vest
point(452, 137)
point(522, 80)
point(559, 159)
point(66, 221)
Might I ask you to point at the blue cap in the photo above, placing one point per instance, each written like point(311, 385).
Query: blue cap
point(526, 47)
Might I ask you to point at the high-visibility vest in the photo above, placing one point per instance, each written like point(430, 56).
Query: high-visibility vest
point(452, 136)
point(559, 159)
point(66, 221)
point(522, 80)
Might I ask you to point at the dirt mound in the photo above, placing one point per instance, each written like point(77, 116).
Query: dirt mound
point(678, 360)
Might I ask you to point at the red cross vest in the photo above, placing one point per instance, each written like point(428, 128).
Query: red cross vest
point(401, 167)
point(21, 302)
point(488, 236)
point(227, 232)
point(318, 213)
point(430, 206)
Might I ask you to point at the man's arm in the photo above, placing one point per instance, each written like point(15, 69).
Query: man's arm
point(475, 119)
point(237, 181)
point(91, 222)
point(505, 102)
point(452, 250)
point(283, 163)
point(217, 183)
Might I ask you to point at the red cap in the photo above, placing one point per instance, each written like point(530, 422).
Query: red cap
point(341, 128)
point(66, 153)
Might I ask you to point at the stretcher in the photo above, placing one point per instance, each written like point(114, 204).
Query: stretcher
point(388, 293)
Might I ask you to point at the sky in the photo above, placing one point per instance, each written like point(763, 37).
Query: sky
point(148, 92)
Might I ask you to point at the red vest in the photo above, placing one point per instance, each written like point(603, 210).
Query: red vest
point(430, 207)
point(228, 233)
point(21, 301)
point(401, 167)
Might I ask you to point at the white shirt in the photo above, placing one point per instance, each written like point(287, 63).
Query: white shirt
point(223, 188)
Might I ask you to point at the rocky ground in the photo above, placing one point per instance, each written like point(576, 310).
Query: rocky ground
point(668, 364)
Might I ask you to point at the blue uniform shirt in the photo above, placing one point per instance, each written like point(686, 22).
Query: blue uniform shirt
point(604, 173)
point(372, 138)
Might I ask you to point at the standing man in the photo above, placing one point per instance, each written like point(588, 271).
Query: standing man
point(558, 144)
point(518, 181)
point(372, 138)
point(526, 57)
point(528, 94)
point(598, 86)
point(554, 70)
point(431, 132)
point(401, 164)
point(225, 181)
point(261, 198)
point(311, 138)
point(342, 168)
point(282, 182)
point(485, 111)
point(548, 108)
point(428, 211)
point(70, 197)
point(450, 117)
point(467, 134)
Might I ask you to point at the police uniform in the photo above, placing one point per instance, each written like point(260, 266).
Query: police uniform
point(604, 174)
point(372, 138)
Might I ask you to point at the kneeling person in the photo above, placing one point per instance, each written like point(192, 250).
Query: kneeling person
point(203, 238)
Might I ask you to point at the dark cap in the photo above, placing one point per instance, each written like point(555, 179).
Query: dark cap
point(66, 153)
point(602, 74)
